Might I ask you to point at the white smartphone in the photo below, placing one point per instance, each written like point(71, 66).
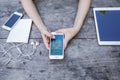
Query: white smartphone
point(8, 25)
point(57, 46)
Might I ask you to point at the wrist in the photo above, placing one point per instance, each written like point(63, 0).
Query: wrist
point(42, 28)
point(76, 30)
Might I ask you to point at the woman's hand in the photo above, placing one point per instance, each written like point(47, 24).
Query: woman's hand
point(46, 35)
point(69, 33)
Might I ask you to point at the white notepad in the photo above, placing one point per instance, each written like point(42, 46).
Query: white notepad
point(21, 31)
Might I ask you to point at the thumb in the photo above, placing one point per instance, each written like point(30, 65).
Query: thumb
point(48, 34)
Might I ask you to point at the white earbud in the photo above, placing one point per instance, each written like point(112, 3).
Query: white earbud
point(34, 44)
point(37, 43)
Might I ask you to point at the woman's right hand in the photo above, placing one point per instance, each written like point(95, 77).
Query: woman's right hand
point(46, 35)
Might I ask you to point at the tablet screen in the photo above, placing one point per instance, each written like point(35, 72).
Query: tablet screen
point(107, 24)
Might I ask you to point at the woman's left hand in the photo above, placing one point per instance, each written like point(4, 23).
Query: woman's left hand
point(69, 33)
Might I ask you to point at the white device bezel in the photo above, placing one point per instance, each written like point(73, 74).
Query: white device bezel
point(8, 28)
point(56, 56)
point(96, 24)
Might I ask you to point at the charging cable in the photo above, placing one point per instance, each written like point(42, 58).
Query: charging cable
point(21, 53)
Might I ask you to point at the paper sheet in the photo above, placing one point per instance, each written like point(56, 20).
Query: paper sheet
point(21, 31)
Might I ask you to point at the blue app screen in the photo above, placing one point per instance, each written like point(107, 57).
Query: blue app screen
point(57, 45)
point(12, 20)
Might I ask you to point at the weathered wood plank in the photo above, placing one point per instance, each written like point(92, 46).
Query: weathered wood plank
point(87, 31)
point(84, 59)
point(105, 3)
point(8, 1)
point(54, 16)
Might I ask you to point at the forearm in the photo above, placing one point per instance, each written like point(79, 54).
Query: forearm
point(32, 12)
point(83, 8)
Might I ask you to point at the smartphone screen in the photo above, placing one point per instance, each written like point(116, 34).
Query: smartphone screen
point(12, 20)
point(57, 45)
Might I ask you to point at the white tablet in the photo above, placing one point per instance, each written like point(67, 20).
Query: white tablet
point(107, 21)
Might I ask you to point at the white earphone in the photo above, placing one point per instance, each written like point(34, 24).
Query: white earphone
point(34, 44)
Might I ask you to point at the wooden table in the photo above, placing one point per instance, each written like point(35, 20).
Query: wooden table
point(84, 58)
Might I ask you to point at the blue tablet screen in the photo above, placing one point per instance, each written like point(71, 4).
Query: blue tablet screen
point(108, 25)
